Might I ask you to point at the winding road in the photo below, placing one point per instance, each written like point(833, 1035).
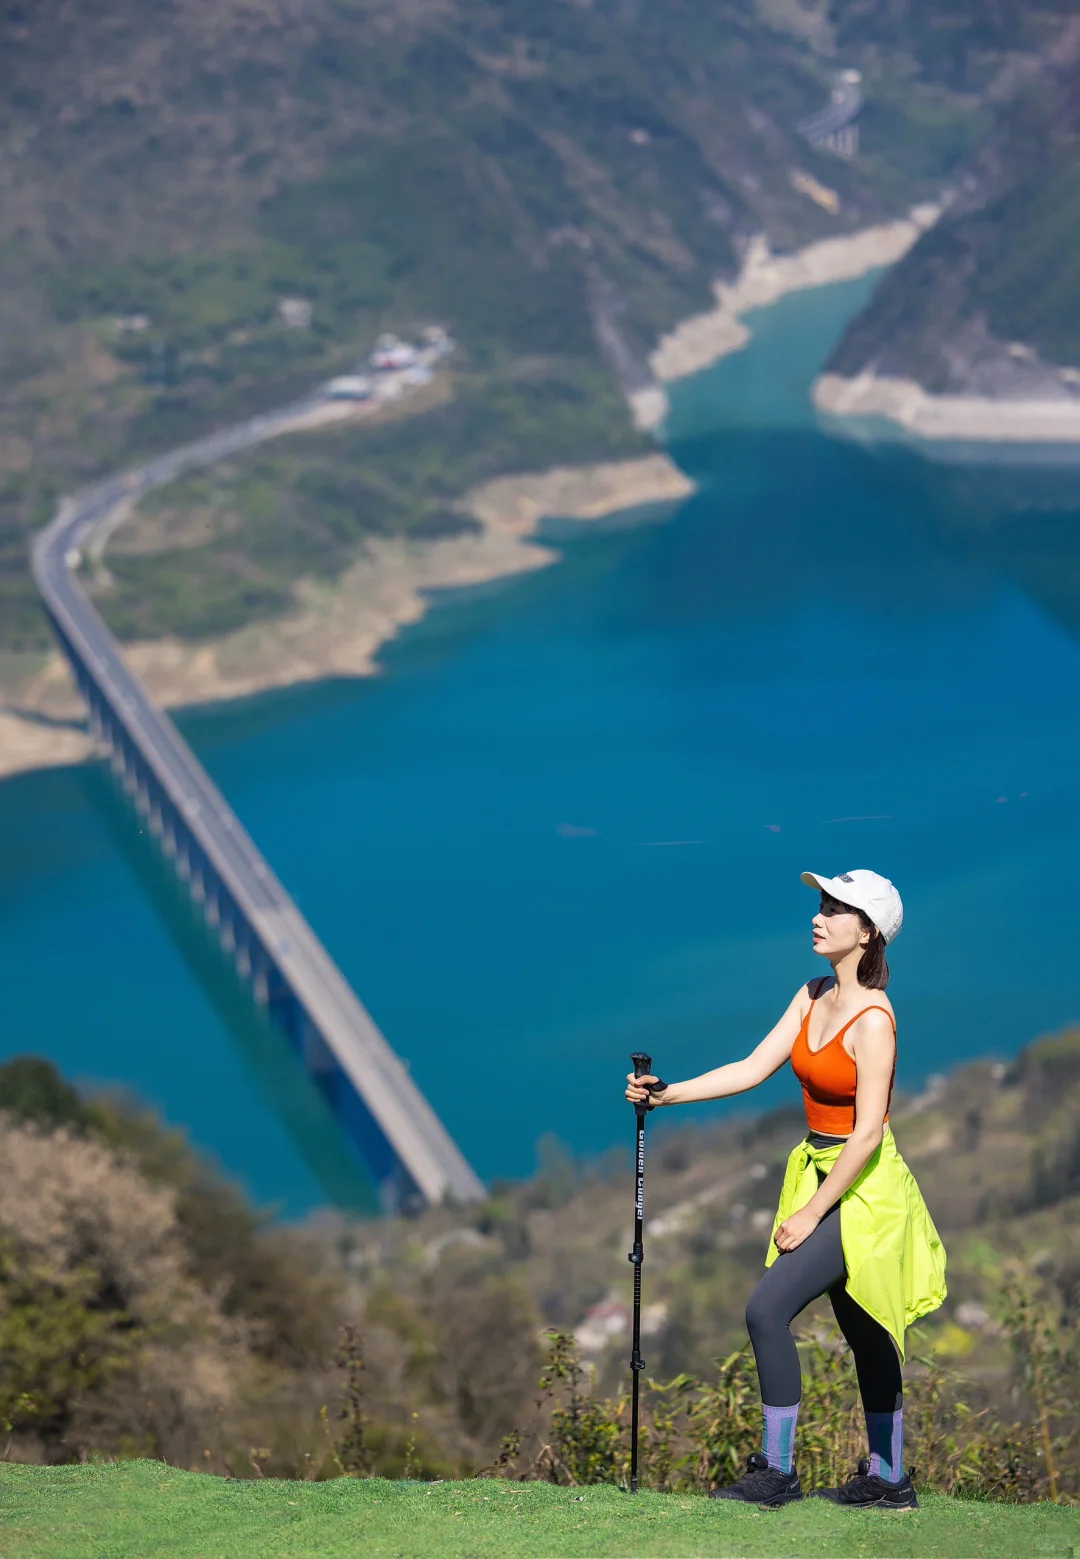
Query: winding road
point(843, 107)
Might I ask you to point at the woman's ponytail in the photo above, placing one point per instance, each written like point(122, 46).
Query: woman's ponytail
point(873, 968)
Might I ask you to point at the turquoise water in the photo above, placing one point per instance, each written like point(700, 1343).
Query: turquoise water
point(569, 822)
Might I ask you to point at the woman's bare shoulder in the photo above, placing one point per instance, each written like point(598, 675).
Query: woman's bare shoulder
point(810, 991)
point(875, 1026)
point(880, 1017)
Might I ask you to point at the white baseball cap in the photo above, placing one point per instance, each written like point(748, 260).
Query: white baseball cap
point(873, 894)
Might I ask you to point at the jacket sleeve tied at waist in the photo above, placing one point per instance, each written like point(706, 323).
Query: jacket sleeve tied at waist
point(894, 1256)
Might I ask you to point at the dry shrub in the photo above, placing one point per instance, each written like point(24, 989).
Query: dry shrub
point(457, 1348)
point(106, 1342)
point(486, 1357)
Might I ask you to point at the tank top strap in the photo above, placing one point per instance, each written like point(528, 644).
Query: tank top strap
point(875, 1007)
point(804, 1026)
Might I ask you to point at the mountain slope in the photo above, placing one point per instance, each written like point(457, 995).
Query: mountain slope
point(534, 177)
point(988, 302)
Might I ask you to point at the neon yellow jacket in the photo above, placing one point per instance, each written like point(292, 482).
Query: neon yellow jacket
point(894, 1256)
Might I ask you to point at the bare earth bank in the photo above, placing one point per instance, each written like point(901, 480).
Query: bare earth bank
point(697, 342)
point(338, 629)
point(874, 408)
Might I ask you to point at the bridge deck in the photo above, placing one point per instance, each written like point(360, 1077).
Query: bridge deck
point(409, 1124)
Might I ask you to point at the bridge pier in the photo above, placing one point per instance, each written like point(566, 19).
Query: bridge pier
point(257, 967)
point(381, 1112)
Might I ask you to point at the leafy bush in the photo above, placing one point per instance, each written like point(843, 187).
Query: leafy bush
point(696, 1434)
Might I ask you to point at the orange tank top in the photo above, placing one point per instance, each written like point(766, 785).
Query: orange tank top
point(828, 1075)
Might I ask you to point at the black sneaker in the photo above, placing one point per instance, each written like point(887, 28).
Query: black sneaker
point(761, 1484)
point(868, 1491)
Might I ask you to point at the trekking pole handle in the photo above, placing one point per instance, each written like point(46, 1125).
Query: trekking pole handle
point(643, 1068)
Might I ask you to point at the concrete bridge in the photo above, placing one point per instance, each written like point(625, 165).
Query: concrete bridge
point(834, 125)
point(398, 1136)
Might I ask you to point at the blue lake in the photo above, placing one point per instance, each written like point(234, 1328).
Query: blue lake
point(569, 822)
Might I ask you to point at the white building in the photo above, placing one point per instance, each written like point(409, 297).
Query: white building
point(295, 313)
point(391, 352)
point(350, 387)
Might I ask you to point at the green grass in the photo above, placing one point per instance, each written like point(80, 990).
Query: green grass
point(139, 1510)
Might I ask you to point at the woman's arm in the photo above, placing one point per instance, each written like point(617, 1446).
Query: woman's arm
point(874, 1045)
point(737, 1076)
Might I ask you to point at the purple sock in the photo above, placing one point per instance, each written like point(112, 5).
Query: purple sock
point(778, 1435)
point(885, 1432)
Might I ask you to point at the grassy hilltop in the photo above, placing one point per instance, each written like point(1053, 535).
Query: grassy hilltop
point(525, 175)
point(142, 1508)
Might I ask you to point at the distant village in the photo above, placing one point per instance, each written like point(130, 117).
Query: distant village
point(392, 366)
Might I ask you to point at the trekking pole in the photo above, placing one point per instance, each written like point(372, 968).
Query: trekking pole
point(642, 1068)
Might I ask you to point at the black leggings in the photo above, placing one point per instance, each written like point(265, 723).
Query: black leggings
point(796, 1278)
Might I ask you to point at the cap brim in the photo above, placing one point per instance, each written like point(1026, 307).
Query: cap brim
point(813, 880)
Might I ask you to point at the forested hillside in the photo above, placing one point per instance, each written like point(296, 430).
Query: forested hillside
point(988, 302)
point(522, 174)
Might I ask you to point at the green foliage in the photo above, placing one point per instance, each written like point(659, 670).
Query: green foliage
point(127, 1266)
point(420, 230)
point(1027, 287)
point(724, 1418)
point(832, 1432)
point(696, 1433)
point(32, 1090)
point(955, 42)
point(353, 1452)
point(1045, 1360)
point(258, 1274)
point(60, 1341)
point(305, 508)
point(586, 1438)
point(907, 133)
point(1001, 259)
point(191, 299)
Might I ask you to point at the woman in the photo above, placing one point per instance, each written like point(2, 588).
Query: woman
point(852, 1222)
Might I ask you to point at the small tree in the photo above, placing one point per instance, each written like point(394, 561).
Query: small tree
point(353, 1453)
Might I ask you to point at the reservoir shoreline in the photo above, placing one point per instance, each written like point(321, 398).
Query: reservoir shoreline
point(337, 630)
point(700, 341)
point(876, 409)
